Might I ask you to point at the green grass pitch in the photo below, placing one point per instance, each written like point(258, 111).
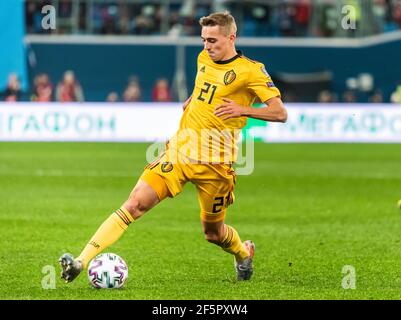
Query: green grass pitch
point(311, 209)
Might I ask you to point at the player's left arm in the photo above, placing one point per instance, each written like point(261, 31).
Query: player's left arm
point(274, 110)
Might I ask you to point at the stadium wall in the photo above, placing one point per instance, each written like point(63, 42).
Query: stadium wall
point(104, 64)
point(101, 69)
point(147, 122)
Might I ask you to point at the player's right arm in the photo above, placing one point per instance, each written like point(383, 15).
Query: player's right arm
point(186, 103)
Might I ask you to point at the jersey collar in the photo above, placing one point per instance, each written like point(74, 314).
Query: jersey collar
point(239, 53)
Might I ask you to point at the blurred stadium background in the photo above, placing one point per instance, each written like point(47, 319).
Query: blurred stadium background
point(333, 64)
point(118, 71)
point(145, 52)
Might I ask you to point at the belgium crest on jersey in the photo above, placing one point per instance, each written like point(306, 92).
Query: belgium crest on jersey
point(167, 167)
point(229, 77)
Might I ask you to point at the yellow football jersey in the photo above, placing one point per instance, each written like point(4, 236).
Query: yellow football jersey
point(204, 137)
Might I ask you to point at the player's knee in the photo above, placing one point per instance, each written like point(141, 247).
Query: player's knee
point(141, 200)
point(135, 206)
point(212, 236)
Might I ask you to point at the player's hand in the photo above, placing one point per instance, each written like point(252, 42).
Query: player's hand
point(229, 109)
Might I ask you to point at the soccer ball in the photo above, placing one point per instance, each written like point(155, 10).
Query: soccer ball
point(107, 271)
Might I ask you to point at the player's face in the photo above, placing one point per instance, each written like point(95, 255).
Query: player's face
point(217, 43)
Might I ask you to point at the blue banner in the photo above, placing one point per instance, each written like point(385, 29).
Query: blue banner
point(12, 49)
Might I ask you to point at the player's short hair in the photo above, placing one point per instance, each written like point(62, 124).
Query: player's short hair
point(223, 19)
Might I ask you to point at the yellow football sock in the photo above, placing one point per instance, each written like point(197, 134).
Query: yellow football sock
point(108, 233)
point(232, 244)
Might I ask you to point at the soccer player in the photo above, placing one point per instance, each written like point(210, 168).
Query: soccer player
point(226, 85)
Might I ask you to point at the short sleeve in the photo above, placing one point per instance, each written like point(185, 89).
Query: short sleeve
point(261, 84)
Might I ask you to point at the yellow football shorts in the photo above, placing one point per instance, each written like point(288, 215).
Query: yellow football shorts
point(214, 184)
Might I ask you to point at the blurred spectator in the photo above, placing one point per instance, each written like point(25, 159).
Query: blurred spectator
point(188, 20)
point(144, 24)
point(376, 97)
point(43, 89)
point(64, 8)
point(349, 96)
point(133, 91)
point(112, 97)
point(256, 20)
point(326, 96)
point(302, 17)
point(109, 19)
point(31, 17)
point(328, 20)
point(34, 16)
point(176, 28)
point(13, 89)
point(286, 21)
point(161, 91)
point(397, 14)
point(69, 90)
point(124, 20)
point(396, 95)
point(379, 10)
